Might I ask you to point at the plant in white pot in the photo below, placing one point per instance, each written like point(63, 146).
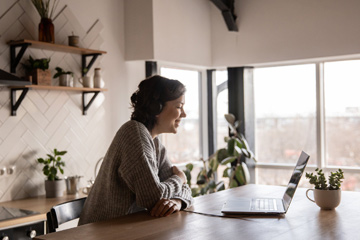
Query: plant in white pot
point(65, 78)
point(54, 186)
point(327, 194)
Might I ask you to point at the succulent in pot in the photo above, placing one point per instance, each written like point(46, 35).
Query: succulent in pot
point(327, 194)
point(53, 164)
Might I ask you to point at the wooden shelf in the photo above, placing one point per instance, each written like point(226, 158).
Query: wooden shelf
point(15, 102)
point(61, 88)
point(55, 47)
point(23, 44)
point(16, 55)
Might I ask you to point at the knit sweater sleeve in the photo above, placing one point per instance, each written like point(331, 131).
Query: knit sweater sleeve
point(139, 168)
point(166, 171)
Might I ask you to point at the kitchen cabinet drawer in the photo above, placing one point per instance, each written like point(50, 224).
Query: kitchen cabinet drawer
point(23, 232)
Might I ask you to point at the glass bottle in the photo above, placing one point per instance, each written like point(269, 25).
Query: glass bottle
point(46, 30)
point(98, 81)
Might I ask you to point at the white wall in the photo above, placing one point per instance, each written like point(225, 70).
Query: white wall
point(174, 31)
point(282, 30)
point(182, 31)
point(53, 119)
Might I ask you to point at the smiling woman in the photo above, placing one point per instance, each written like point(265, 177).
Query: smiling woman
point(136, 174)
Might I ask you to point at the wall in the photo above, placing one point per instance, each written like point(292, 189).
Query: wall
point(53, 119)
point(174, 31)
point(281, 30)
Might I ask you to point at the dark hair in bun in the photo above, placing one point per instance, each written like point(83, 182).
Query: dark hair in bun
point(151, 96)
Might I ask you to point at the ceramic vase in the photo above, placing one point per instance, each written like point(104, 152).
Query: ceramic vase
point(98, 81)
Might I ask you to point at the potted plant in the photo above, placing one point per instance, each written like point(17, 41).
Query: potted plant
point(65, 78)
point(39, 70)
point(327, 194)
point(233, 157)
point(46, 27)
point(54, 186)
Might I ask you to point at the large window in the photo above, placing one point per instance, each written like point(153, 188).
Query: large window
point(185, 146)
point(285, 110)
point(312, 107)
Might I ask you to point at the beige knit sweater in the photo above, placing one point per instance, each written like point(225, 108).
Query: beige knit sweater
point(135, 174)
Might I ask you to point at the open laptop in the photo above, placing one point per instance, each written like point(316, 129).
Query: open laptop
point(268, 205)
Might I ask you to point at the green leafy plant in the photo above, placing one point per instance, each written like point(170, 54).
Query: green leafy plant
point(43, 7)
point(233, 157)
point(60, 71)
point(320, 182)
point(53, 163)
point(42, 63)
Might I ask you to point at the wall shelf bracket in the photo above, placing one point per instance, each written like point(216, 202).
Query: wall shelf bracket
point(15, 59)
point(85, 68)
point(87, 106)
point(15, 104)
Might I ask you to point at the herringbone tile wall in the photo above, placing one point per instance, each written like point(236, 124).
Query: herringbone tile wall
point(48, 119)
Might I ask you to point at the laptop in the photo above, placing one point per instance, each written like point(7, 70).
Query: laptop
point(268, 206)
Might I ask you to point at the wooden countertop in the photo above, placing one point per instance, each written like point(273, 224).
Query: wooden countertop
point(39, 204)
point(204, 220)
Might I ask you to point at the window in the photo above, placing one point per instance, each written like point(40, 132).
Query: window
point(185, 146)
point(285, 110)
point(311, 107)
point(222, 103)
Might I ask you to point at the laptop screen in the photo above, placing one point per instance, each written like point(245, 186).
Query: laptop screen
point(295, 179)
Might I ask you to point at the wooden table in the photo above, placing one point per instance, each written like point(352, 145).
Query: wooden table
point(304, 220)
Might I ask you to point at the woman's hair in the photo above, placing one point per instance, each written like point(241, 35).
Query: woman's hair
point(151, 96)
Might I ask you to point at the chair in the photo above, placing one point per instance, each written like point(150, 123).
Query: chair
point(64, 212)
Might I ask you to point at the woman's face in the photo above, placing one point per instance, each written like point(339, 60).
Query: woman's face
point(169, 118)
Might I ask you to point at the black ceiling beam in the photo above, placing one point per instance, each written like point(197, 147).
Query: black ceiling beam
point(227, 9)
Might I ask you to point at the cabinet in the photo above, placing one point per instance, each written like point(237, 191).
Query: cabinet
point(17, 50)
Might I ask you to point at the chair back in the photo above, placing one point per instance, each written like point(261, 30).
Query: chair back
point(64, 212)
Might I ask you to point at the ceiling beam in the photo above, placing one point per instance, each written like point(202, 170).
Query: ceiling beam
point(227, 10)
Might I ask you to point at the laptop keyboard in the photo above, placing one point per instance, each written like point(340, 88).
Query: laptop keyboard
point(264, 204)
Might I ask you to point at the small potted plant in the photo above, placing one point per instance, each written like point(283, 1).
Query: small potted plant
point(54, 186)
point(65, 78)
point(327, 194)
point(38, 70)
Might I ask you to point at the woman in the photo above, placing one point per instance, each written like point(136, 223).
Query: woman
point(136, 174)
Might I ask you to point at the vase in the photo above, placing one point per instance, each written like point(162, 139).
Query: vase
point(46, 30)
point(98, 81)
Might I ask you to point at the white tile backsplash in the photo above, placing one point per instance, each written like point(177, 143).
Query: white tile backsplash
point(48, 119)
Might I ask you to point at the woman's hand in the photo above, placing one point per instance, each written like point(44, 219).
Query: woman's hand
point(164, 207)
point(179, 173)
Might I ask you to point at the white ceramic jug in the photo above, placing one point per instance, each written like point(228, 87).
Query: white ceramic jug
point(98, 81)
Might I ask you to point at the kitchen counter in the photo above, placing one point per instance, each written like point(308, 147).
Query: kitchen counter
point(39, 204)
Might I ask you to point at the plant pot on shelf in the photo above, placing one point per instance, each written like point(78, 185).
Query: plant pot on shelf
point(46, 30)
point(41, 77)
point(66, 80)
point(54, 188)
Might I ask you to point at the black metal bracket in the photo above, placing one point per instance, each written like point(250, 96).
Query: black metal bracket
point(85, 68)
point(15, 104)
point(87, 106)
point(227, 10)
point(15, 59)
